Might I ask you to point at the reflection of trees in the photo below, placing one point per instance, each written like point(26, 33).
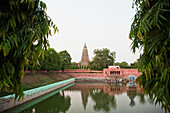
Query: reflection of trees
point(142, 98)
point(150, 100)
point(131, 95)
point(102, 101)
point(55, 104)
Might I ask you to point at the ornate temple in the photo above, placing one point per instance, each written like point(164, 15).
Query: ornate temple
point(85, 57)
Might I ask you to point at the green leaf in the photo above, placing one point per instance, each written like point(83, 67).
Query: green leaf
point(163, 17)
point(1, 85)
point(5, 84)
point(4, 50)
point(10, 81)
point(22, 1)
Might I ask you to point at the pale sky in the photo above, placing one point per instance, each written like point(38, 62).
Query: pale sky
point(99, 23)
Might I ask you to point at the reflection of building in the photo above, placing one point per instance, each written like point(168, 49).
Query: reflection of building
point(84, 96)
point(103, 96)
point(116, 71)
point(85, 57)
point(114, 89)
point(111, 89)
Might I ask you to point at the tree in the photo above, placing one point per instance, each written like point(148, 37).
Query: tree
point(32, 65)
point(134, 65)
point(150, 31)
point(66, 59)
point(116, 63)
point(103, 58)
point(74, 65)
point(123, 64)
point(24, 31)
point(51, 61)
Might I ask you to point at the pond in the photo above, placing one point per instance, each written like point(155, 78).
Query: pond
point(91, 98)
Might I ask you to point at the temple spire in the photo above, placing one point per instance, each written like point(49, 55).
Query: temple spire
point(85, 45)
point(85, 57)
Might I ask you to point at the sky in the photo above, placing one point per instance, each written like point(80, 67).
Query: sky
point(99, 23)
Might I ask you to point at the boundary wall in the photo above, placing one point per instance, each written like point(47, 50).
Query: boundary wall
point(7, 102)
point(86, 75)
point(65, 71)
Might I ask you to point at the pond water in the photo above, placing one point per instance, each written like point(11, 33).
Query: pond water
point(91, 98)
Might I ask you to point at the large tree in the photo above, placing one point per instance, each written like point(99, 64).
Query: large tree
point(123, 64)
point(51, 61)
point(134, 64)
point(66, 60)
point(102, 58)
point(150, 31)
point(74, 65)
point(24, 31)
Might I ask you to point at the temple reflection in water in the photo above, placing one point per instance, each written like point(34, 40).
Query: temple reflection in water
point(92, 98)
point(110, 89)
point(104, 94)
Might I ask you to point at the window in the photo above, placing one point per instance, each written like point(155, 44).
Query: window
point(111, 72)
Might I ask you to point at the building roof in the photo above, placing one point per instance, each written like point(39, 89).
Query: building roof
point(113, 67)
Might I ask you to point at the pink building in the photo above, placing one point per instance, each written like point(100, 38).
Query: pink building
point(116, 71)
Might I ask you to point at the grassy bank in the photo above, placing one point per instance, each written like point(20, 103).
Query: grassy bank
point(30, 81)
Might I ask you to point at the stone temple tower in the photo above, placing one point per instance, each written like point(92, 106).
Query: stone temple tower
point(85, 57)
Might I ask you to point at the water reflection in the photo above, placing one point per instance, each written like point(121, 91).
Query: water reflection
point(142, 98)
point(104, 94)
point(102, 100)
point(105, 98)
point(131, 95)
point(96, 98)
point(55, 104)
point(84, 96)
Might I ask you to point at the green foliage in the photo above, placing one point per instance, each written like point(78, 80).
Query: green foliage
point(123, 64)
point(66, 59)
point(135, 64)
point(150, 31)
point(33, 62)
point(51, 61)
point(102, 59)
point(74, 65)
point(24, 32)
